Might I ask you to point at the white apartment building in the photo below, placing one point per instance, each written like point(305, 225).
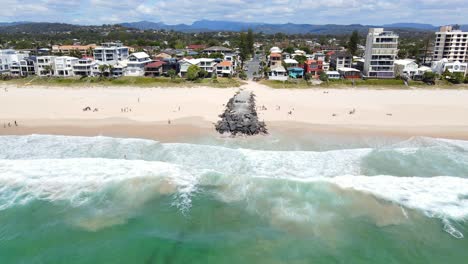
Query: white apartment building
point(85, 67)
point(381, 51)
point(136, 63)
point(43, 64)
point(451, 44)
point(111, 52)
point(8, 57)
point(23, 68)
point(64, 66)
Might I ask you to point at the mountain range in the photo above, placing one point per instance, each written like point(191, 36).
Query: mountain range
point(219, 25)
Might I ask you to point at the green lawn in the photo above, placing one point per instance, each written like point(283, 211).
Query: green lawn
point(125, 81)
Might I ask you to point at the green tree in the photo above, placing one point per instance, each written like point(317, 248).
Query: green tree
point(301, 59)
point(250, 42)
point(353, 43)
point(193, 72)
point(243, 48)
point(76, 53)
point(48, 69)
point(457, 78)
point(172, 73)
point(429, 77)
point(103, 69)
point(289, 49)
point(323, 77)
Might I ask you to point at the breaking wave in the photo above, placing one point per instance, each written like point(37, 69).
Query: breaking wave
point(422, 174)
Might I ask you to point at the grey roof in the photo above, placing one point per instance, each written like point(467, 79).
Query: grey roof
point(218, 49)
point(341, 54)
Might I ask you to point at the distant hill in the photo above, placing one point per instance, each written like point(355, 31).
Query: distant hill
point(7, 24)
point(411, 25)
point(39, 27)
point(288, 28)
point(219, 25)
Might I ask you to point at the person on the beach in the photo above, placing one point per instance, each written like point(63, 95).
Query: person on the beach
point(16, 124)
point(168, 121)
point(9, 125)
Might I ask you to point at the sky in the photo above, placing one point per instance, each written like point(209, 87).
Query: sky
point(369, 12)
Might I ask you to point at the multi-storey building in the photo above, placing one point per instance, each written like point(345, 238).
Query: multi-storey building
point(67, 49)
point(341, 59)
point(111, 52)
point(8, 57)
point(136, 63)
point(45, 65)
point(85, 67)
point(381, 51)
point(64, 66)
point(451, 44)
point(23, 68)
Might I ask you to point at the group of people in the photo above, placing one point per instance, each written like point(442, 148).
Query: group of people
point(9, 124)
point(126, 109)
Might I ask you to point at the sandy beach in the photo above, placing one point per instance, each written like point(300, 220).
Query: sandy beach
point(146, 112)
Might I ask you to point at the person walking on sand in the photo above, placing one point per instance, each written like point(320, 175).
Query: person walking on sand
point(9, 125)
point(16, 124)
point(168, 121)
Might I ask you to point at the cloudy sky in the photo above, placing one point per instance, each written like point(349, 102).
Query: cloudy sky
point(436, 12)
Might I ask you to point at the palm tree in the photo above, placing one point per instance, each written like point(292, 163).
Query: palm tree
point(103, 68)
point(48, 69)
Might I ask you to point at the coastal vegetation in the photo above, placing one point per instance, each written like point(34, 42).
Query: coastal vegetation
point(369, 83)
point(125, 81)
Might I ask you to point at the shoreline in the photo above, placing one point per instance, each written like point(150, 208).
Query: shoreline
point(183, 130)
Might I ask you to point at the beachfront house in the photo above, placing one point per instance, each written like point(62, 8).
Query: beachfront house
point(224, 69)
point(291, 63)
point(233, 58)
point(111, 52)
point(405, 67)
point(295, 72)
point(333, 75)
point(25, 67)
point(278, 73)
point(63, 66)
point(349, 73)
point(85, 67)
point(314, 67)
point(136, 63)
point(341, 59)
point(45, 65)
point(452, 66)
point(8, 57)
point(170, 64)
point(154, 69)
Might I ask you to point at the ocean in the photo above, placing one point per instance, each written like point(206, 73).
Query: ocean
point(266, 199)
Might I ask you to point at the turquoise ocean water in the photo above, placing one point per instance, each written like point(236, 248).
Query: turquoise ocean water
point(274, 199)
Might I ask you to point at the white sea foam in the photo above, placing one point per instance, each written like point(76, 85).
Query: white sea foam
point(283, 184)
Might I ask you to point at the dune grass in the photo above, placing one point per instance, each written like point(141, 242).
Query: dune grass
point(125, 81)
point(369, 83)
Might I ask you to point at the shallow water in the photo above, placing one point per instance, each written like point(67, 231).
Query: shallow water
point(272, 199)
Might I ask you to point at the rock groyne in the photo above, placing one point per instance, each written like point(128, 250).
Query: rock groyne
point(240, 116)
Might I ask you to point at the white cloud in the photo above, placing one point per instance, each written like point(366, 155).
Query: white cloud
point(275, 11)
